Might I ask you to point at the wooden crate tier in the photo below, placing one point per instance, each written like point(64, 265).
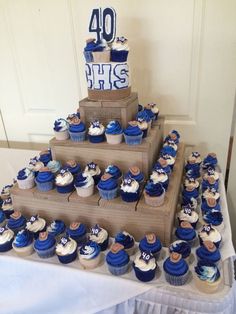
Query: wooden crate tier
point(138, 219)
point(121, 155)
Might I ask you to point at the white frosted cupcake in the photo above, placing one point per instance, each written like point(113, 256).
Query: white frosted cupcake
point(35, 165)
point(6, 239)
point(25, 179)
point(36, 225)
point(186, 214)
point(66, 250)
point(93, 170)
point(61, 129)
point(6, 191)
point(211, 193)
point(84, 185)
point(64, 181)
point(208, 233)
point(100, 236)
point(96, 132)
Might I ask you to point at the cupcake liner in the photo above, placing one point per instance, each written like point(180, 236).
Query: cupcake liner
point(104, 244)
point(129, 197)
point(23, 251)
point(66, 188)
point(8, 213)
point(6, 246)
point(46, 253)
point(118, 270)
point(88, 56)
point(114, 139)
point(119, 55)
point(177, 280)
point(133, 140)
point(101, 56)
point(44, 186)
point(108, 194)
point(154, 201)
point(62, 136)
point(26, 184)
point(207, 287)
point(96, 138)
point(90, 263)
point(144, 276)
point(85, 192)
point(80, 239)
point(66, 259)
point(77, 136)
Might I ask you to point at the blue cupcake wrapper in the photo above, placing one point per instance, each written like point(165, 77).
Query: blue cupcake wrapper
point(144, 276)
point(44, 186)
point(6, 246)
point(88, 56)
point(65, 189)
point(97, 138)
point(108, 194)
point(129, 197)
point(145, 133)
point(133, 140)
point(177, 280)
point(104, 244)
point(119, 55)
point(118, 270)
point(46, 253)
point(77, 136)
point(66, 259)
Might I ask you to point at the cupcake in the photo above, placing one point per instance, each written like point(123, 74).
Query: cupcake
point(150, 243)
point(142, 115)
point(66, 250)
point(154, 194)
point(6, 191)
point(7, 207)
point(160, 176)
point(136, 174)
point(168, 150)
point(90, 255)
point(133, 134)
point(127, 240)
point(181, 247)
point(96, 132)
point(36, 225)
point(148, 110)
point(211, 193)
point(45, 245)
point(23, 243)
point(194, 159)
point(56, 228)
point(176, 270)
point(207, 277)
point(108, 187)
point(174, 136)
point(186, 232)
point(64, 181)
point(61, 129)
point(6, 239)
point(91, 45)
point(210, 204)
point(189, 215)
point(77, 231)
point(94, 171)
point(145, 266)
point(117, 260)
point(190, 203)
point(155, 110)
point(171, 143)
point(143, 125)
point(100, 236)
point(190, 192)
point(114, 171)
point(215, 218)
point(210, 161)
point(84, 185)
point(210, 180)
point(71, 116)
point(77, 130)
point(129, 190)
point(34, 165)
point(54, 166)
point(114, 132)
point(44, 180)
point(2, 218)
point(193, 165)
point(119, 50)
point(102, 52)
point(16, 221)
point(45, 156)
point(25, 179)
point(169, 159)
point(162, 164)
point(209, 233)
point(208, 252)
point(72, 166)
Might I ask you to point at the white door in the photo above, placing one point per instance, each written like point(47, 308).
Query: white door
point(182, 56)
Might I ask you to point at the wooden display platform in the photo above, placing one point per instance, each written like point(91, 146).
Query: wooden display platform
point(138, 220)
point(122, 155)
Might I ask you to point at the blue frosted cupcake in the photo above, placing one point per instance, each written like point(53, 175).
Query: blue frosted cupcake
point(91, 46)
point(160, 176)
point(114, 132)
point(215, 218)
point(170, 159)
point(64, 181)
point(145, 266)
point(7, 207)
point(45, 156)
point(77, 231)
point(150, 243)
point(174, 136)
point(73, 167)
point(2, 218)
point(142, 115)
point(100, 236)
point(35, 225)
point(54, 166)
point(108, 187)
point(84, 185)
point(45, 245)
point(148, 110)
point(208, 252)
point(154, 194)
point(162, 164)
point(133, 134)
point(6, 239)
point(210, 204)
point(23, 243)
point(155, 110)
point(96, 132)
point(170, 143)
point(181, 247)
point(16, 222)
point(44, 180)
point(114, 171)
point(168, 150)
point(176, 270)
point(77, 130)
point(144, 126)
point(127, 240)
point(186, 232)
point(94, 171)
point(207, 277)
point(90, 255)
point(117, 260)
point(135, 173)
point(71, 116)
point(119, 50)
point(210, 161)
point(61, 131)
point(209, 233)
point(25, 179)
point(66, 250)
point(129, 190)
point(35, 164)
point(210, 180)
point(56, 228)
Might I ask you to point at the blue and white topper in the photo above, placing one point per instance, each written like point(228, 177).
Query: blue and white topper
point(64, 240)
point(146, 256)
point(95, 230)
point(33, 219)
point(207, 229)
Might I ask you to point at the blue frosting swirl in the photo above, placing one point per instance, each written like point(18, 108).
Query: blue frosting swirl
point(202, 270)
point(73, 169)
point(93, 46)
point(58, 227)
point(58, 125)
point(166, 168)
point(190, 194)
point(181, 247)
point(132, 130)
point(23, 238)
point(16, 223)
point(118, 259)
point(2, 216)
point(186, 234)
point(114, 127)
point(155, 247)
point(74, 128)
point(94, 249)
point(109, 184)
point(154, 189)
point(150, 113)
point(143, 115)
point(213, 217)
point(205, 255)
point(78, 232)
point(45, 244)
point(175, 269)
point(168, 150)
point(206, 185)
point(45, 157)
point(45, 176)
point(209, 161)
point(114, 171)
point(125, 239)
point(139, 177)
point(206, 208)
point(80, 180)
point(22, 175)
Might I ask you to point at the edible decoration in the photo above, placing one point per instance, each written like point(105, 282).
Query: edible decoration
point(207, 271)
point(60, 125)
point(134, 170)
point(43, 236)
point(151, 238)
point(2, 230)
point(106, 177)
point(116, 247)
point(95, 230)
point(211, 202)
point(207, 229)
point(16, 214)
point(175, 257)
point(146, 256)
point(209, 245)
point(33, 219)
point(64, 241)
point(185, 224)
point(44, 169)
point(74, 225)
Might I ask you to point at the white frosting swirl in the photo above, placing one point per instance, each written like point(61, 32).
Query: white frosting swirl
point(37, 166)
point(142, 265)
point(209, 194)
point(183, 216)
point(100, 237)
point(37, 225)
point(64, 179)
point(213, 236)
point(63, 124)
point(158, 177)
point(143, 125)
point(88, 181)
point(91, 172)
point(215, 176)
point(96, 130)
point(171, 144)
point(6, 236)
point(117, 45)
point(130, 188)
point(170, 160)
point(192, 184)
point(66, 249)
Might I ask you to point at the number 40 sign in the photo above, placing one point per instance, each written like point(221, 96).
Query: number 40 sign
point(103, 23)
